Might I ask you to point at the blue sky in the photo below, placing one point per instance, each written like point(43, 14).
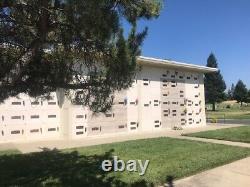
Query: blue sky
point(189, 30)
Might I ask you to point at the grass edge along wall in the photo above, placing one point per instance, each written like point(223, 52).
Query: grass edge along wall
point(165, 94)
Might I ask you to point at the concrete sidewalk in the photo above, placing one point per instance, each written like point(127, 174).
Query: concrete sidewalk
point(236, 174)
point(34, 146)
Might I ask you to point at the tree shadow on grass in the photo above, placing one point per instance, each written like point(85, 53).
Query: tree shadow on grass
point(56, 168)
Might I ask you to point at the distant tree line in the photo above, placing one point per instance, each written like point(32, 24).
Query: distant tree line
point(215, 87)
point(239, 93)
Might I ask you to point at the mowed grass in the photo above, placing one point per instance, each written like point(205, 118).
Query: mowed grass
point(228, 114)
point(235, 111)
point(169, 159)
point(235, 134)
point(9, 152)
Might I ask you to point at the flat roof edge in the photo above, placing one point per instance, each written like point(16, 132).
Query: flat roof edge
point(174, 64)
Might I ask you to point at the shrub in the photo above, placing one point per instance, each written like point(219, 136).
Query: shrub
point(214, 120)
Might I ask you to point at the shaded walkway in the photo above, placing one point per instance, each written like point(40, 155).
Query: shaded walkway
point(35, 146)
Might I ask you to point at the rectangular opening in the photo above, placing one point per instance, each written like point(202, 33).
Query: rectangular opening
point(79, 116)
point(146, 105)
point(95, 129)
point(188, 78)
point(52, 103)
point(51, 129)
point(15, 132)
point(132, 128)
point(79, 127)
point(157, 126)
point(34, 130)
point(34, 116)
point(52, 116)
point(35, 103)
point(16, 103)
point(145, 82)
point(121, 126)
point(164, 75)
point(132, 123)
point(132, 103)
point(79, 132)
point(121, 103)
point(15, 117)
point(108, 115)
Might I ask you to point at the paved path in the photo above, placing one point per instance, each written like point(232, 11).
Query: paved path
point(240, 144)
point(26, 146)
point(236, 174)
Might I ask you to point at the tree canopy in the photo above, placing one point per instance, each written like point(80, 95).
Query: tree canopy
point(230, 92)
point(214, 83)
point(240, 92)
point(75, 45)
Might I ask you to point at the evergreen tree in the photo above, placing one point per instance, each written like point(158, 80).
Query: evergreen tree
point(214, 83)
point(248, 96)
point(231, 92)
point(240, 92)
point(74, 45)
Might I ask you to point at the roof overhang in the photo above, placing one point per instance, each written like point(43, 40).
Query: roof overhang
point(174, 65)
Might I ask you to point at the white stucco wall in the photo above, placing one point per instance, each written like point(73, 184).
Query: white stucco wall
point(160, 98)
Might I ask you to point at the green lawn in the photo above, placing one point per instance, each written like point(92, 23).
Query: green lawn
point(169, 159)
point(235, 134)
point(235, 111)
point(9, 152)
point(228, 114)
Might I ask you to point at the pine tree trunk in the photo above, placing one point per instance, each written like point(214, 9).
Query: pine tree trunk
point(241, 103)
point(213, 106)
